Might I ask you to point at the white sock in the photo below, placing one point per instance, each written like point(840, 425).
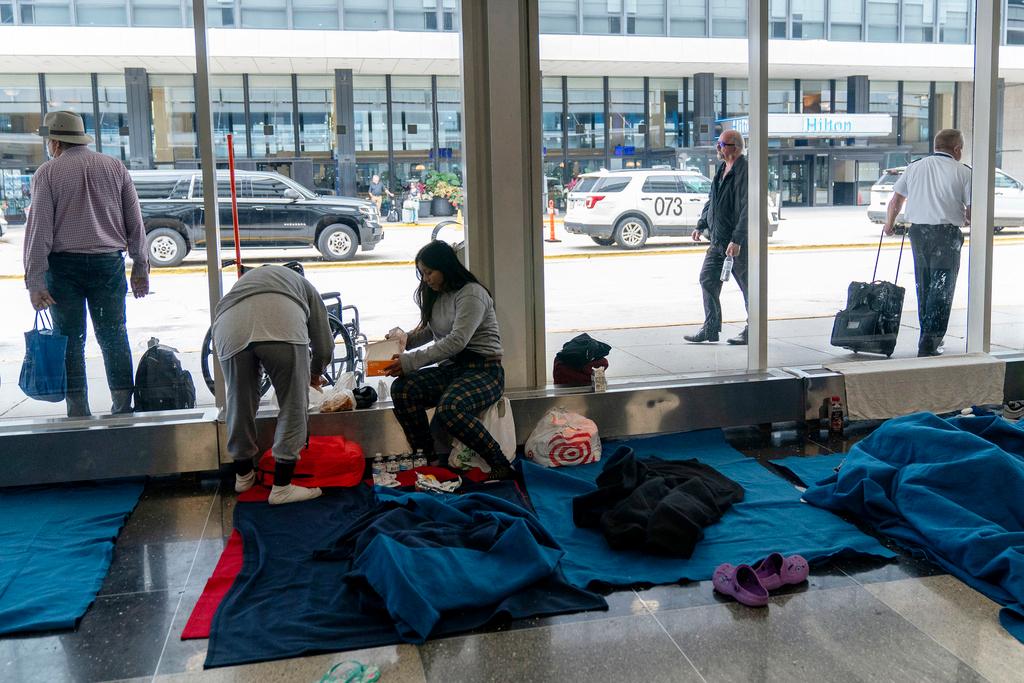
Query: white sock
point(291, 493)
point(246, 482)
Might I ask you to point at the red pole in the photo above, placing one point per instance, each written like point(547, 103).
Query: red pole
point(234, 203)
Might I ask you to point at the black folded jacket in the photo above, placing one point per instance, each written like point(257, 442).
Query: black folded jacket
point(655, 505)
point(580, 350)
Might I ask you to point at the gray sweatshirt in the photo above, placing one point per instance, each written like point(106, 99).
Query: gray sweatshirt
point(462, 320)
point(272, 303)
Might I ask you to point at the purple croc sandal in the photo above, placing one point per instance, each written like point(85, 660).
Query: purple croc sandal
point(775, 571)
point(741, 583)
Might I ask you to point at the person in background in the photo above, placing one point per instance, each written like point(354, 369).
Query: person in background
point(939, 189)
point(269, 321)
point(414, 200)
point(377, 191)
point(85, 215)
point(724, 222)
point(457, 314)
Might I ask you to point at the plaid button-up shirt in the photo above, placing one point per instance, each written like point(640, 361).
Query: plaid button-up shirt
point(82, 202)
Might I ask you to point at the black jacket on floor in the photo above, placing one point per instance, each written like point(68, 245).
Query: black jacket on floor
point(655, 505)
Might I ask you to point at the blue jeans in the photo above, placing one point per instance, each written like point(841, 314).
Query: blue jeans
point(98, 281)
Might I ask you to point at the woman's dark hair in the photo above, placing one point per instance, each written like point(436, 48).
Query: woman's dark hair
point(438, 255)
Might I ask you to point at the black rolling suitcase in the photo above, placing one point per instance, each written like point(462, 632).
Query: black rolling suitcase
point(871, 319)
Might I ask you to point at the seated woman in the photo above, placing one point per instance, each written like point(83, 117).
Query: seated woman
point(457, 313)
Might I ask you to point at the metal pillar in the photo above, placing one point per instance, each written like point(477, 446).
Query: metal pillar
point(208, 162)
point(140, 118)
point(703, 109)
point(983, 161)
point(344, 105)
point(502, 85)
point(757, 190)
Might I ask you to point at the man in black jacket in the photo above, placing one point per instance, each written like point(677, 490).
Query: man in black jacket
point(724, 223)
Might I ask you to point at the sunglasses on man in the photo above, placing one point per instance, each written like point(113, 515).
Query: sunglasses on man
point(726, 144)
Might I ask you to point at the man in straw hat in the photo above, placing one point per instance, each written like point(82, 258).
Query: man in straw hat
point(85, 215)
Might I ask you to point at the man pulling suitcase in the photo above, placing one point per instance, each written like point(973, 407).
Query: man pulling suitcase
point(938, 188)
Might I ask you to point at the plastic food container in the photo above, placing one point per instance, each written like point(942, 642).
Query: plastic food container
point(379, 355)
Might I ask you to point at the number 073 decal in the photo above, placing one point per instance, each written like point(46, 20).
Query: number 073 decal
point(668, 206)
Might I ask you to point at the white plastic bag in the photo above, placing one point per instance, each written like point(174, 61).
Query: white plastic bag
point(563, 438)
point(499, 423)
point(316, 398)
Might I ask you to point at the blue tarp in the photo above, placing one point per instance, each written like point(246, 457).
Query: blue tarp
point(300, 593)
point(56, 544)
point(951, 488)
point(770, 518)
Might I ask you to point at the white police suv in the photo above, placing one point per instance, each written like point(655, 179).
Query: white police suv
point(629, 207)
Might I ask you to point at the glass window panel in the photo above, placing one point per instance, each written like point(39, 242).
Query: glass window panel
point(884, 99)
point(227, 98)
point(729, 18)
point(737, 99)
point(266, 187)
point(219, 13)
point(449, 115)
point(174, 118)
point(815, 96)
point(846, 18)
point(918, 21)
point(155, 13)
point(666, 124)
point(687, 18)
point(1014, 24)
point(411, 104)
point(270, 109)
point(371, 119)
point(883, 21)
point(915, 116)
point(316, 116)
point(6, 13)
point(366, 15)
point(558, 16)
point(781, 96)
point(46, 13)
point(101, 13)
point(777, 18)
point(113, 106)
point(944, 105)
point(72, 92)
point(551, 115)
point(625, 118)
point(19, 120)
point(415, 15)
point(808, 19)
point(602, 16)
point(315, 14)
point(645, 17)
point(586, 113)
point(954, 17)
point(264, 14)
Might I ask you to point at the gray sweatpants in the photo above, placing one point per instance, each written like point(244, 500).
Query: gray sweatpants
point(288, 368)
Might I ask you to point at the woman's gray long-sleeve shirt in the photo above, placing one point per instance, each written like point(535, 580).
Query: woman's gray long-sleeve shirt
point(462, 320)
point(272, 303)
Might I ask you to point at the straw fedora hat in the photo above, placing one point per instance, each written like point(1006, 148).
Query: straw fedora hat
point(65, 126)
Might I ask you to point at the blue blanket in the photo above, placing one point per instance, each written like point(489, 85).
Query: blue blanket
point(770, 518)
point(308, 586)
point(811, 469)
point(56, 543)
point(952, 488)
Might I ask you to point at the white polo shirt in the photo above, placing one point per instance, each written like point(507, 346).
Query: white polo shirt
point(937, 188)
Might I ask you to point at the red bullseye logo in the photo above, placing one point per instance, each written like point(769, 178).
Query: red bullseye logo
point(570, 449)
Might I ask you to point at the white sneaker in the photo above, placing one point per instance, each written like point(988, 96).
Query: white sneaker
point(244, 483)
point(279, 495)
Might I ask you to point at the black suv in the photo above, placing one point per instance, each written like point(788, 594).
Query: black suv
point(273, 211)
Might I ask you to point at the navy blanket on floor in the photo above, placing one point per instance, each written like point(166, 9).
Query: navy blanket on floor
point(770, 518)
point(809, 470)
point(285, 603)
point(951, 488)
point(56, 543)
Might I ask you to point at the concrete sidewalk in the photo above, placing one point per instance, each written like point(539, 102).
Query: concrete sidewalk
point(651, 353)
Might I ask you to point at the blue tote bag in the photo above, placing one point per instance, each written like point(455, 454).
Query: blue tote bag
point(43, 374)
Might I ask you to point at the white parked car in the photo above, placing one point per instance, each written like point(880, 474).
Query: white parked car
point(629, 207)
point(1009, 196)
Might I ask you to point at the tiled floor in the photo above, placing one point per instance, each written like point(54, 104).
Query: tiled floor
point(855, 619)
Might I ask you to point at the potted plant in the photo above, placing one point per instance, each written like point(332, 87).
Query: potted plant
point(441, 184)
point(426, 197)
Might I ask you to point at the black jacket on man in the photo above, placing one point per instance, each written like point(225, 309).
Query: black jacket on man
point(724, 218)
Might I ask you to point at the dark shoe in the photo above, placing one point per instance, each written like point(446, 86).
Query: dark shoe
point(703, 335)
point(739, 340)
point(930, 347)
point(500, 472)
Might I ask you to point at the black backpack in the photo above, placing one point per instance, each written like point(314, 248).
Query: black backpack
point(160, 381)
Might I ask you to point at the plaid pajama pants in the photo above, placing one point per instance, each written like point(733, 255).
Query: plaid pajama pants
point(460, 391)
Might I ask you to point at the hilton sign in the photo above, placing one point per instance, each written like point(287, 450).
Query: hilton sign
point(818, 125)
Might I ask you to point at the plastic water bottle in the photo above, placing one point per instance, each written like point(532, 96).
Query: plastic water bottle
point(378, 467)
point(420, 460)
point(405, 462)
point(391, 465)
point(727, 268)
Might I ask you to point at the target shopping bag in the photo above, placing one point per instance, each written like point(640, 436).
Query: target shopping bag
point(564, 438)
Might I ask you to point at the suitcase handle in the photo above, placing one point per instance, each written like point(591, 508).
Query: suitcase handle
point(878, 254)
